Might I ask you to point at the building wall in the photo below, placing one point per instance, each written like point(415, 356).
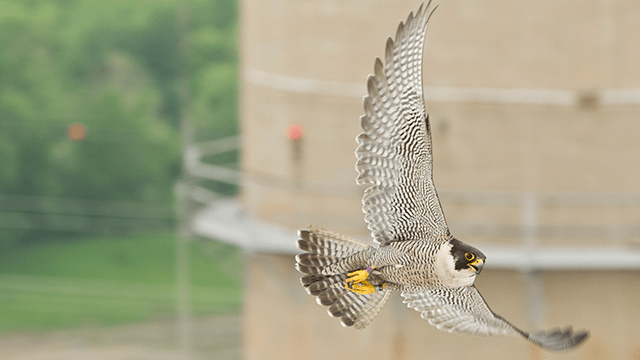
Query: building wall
point(306, 62)
point(282, 322)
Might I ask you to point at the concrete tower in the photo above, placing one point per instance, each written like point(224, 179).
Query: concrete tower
point(535, 107)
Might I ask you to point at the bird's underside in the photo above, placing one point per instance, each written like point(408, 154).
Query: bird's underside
point(415, 252)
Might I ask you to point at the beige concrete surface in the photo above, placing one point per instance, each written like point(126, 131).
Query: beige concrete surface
point(216, 337)
point(283, 322)
point(576, 144)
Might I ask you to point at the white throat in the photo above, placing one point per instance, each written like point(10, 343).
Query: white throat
point(446, 272)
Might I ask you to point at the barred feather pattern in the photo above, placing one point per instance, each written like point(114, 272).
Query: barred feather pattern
point(327, 260)
point(459, 310)
point(417, 254)
point(394, 149)
point(464, 311)
point(413, 264)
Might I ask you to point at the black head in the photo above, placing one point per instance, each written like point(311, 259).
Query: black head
point(467, 257)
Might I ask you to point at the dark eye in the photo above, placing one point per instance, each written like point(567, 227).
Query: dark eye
point(469, 256)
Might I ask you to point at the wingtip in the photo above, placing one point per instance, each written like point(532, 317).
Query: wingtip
point(580, 337)
point(419, 11)
point(559, 339)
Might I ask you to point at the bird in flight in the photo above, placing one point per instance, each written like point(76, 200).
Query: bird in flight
point(415, 253)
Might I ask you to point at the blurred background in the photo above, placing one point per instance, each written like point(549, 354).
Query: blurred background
point(99, 100)
point(151, 184)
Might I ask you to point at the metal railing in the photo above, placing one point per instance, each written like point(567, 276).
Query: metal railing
point(524, 232)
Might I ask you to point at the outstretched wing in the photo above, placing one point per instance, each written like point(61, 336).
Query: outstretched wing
point(394, 152)
point(463, 310)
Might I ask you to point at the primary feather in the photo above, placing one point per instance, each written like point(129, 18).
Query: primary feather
point(416, 253)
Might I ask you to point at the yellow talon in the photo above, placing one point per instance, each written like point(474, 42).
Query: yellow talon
point(362, 288)
point(359, 276)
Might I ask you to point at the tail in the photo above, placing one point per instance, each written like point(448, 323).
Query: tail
point(327, 260)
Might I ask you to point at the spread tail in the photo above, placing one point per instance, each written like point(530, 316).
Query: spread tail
point(327, 259)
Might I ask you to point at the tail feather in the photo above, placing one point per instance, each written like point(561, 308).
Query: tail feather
point(308, 246)
point(371, 309)
point(349, 315)
point(327, 259)
point(358, 310)
point(325, 242)
point(329, 296)
point(341, 304)
point(307, 280)
point(327, 283)
point(316, 260)
point(311, 270)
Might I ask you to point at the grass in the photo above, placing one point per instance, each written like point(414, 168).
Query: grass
point(106, 280)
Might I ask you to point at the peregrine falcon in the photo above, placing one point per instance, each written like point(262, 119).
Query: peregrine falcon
point(415, 253)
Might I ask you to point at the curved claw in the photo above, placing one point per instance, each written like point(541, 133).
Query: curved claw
point(358, 276)
point(362, 288)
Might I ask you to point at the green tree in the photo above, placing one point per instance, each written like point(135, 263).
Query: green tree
point(111, 66)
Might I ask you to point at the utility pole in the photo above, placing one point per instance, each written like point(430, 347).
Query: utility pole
point(185, 210)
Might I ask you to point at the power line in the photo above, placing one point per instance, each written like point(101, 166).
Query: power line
point(85, 207)
point(83, 215)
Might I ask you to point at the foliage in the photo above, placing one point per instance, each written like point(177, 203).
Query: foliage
point(111, 280)
point(113, 67)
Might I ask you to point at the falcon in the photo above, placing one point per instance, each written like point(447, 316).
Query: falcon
point(415, 253)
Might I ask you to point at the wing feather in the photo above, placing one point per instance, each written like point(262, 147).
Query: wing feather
point(394, 152)
point(463, 310)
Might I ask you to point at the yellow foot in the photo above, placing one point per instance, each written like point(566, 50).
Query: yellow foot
point(359, 275)
point(362, 288)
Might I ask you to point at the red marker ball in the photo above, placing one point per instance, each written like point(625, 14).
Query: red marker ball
point(294, 131)
point(76, 132)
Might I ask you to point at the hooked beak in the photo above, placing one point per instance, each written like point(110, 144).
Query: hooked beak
point(476, 266)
